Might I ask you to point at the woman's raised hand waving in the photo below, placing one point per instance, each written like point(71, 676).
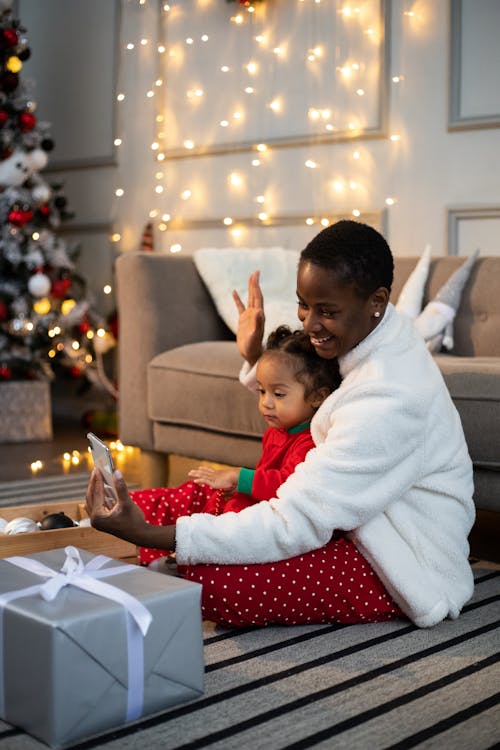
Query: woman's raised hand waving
point(251, 321)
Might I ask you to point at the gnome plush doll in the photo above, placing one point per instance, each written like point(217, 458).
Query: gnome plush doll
point(410, 299)
point(435, 322)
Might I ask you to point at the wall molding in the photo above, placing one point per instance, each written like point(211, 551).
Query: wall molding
point(458, 120)
point(378, 130)
point(466, 213)
point(376, 219)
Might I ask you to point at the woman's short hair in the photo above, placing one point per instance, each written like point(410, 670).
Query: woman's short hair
point(310, 369)
point(356, 252)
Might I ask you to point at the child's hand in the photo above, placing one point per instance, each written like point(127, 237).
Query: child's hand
point(218, 479)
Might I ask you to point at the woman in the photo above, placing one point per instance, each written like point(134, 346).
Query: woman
point(374, 523)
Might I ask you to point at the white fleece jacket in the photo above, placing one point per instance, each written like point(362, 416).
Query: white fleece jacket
point(390, 467)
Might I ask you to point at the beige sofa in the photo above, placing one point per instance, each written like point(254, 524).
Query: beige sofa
point(178, 368)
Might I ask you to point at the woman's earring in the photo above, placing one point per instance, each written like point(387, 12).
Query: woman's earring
point(376, 314)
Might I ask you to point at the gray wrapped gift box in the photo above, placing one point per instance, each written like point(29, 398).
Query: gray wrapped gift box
point(66, 661)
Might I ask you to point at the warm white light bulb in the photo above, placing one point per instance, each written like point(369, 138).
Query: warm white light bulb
point(119, 192)
point(310, 164)
point(175, 248)
point(228, 221)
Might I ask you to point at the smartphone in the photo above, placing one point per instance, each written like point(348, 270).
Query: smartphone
point(101, 456)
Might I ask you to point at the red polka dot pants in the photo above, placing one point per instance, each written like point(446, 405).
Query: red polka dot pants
point(163, 506)
point(331, 584)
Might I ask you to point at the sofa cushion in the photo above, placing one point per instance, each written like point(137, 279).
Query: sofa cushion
point(197, 385)
point(474, 383)
point(210, 370)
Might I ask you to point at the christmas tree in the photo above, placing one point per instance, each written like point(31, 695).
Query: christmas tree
point(48, 321)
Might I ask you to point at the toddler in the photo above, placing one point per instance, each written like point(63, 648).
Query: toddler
point(292, 382)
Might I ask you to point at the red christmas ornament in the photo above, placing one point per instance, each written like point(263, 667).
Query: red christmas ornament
point(3, 310)
point(75, 371)
point(19, 218)
point(60, 288)
point(27, 121)
point(4, 116)
point(44, 210)
point(9, 38)
point(5, 372)
point(84, 326)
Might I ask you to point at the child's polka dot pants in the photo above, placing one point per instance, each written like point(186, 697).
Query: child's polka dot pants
point(331, 584)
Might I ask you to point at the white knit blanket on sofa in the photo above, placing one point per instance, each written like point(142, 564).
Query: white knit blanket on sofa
point(225, 269)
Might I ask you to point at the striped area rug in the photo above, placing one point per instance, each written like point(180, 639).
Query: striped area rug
point(70, 487)
point(386, 686)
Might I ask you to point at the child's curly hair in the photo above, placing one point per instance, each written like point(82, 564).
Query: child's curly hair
point(312, 371)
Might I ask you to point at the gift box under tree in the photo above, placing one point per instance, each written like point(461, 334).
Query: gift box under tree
point(89, 644)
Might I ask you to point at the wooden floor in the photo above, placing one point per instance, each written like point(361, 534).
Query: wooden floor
point(71, 413)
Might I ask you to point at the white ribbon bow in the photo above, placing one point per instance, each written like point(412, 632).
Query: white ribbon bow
point(87, 577)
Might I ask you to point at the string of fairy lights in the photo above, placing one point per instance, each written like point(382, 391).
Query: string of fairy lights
point(172, 205)
point(323, 119)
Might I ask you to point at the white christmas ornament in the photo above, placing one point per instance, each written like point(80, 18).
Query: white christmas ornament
point(41, 193)
point(39, 285)
point(38, 159)
point(410, 299)
point(21, 526)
